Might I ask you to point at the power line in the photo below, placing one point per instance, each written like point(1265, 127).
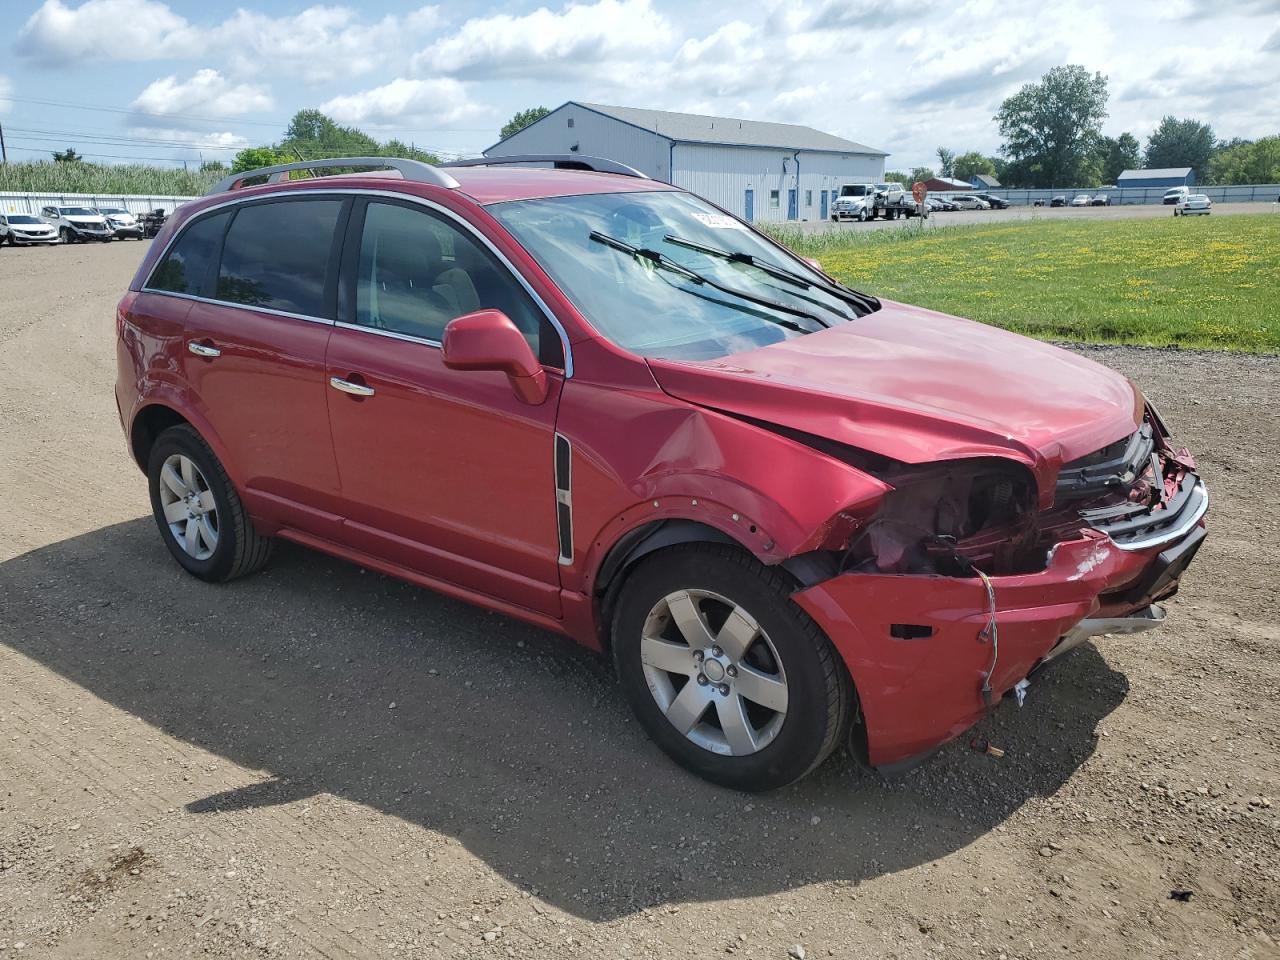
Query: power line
point(187, 116)
point(103, 156)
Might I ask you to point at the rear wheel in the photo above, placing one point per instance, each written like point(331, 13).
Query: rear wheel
point(199, 513)
point(727, 675)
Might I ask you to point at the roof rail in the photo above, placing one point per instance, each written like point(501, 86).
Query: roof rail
point(561, 161)
point(414, 170)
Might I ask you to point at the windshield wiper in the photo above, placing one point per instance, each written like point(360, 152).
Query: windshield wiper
point(861, 301)
point(659, 259)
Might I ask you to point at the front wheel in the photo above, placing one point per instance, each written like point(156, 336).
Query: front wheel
point(199, 513)
point(725, 673)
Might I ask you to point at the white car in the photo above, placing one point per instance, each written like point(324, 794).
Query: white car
point(17, 229)
point(78, 223)
point(1193, 204)
point(1081, 200)
point(122, 222)
point(1175, 194)
point(964, 201)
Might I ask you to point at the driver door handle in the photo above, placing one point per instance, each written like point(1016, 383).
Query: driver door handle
point(346, 386)
point(203, 350)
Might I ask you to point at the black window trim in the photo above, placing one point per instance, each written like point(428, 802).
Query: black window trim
point(342, 244)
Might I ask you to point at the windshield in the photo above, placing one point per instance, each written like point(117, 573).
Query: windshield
point(77, 212)
point(20, 218)
point(654, 310)
point(856, 190)
point(111, 210)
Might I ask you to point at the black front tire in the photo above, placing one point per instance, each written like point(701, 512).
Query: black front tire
point(241, 549)
point(819, 692)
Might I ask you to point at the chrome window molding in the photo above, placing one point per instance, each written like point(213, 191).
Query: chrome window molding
point(363, 191)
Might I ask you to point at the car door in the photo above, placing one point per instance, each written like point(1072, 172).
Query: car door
point(262, 279)
point(445, 472)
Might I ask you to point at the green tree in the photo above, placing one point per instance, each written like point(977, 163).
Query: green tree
point(1118, 154)
point(1245, 162)
point(251, 158)
point(969, 165)
point(1181, 143)
point(1051, 128)
point(898, 176)
point(918, 173)
point(68, 155)
point(522, 120)
point(946, 162)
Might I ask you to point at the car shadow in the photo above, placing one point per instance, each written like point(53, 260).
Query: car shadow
point(514, 741)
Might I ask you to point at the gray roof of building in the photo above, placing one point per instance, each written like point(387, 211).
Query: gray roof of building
point(986, 179)
point(1155, 172)
point(695, 128)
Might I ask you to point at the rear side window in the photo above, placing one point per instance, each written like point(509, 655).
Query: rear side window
point(276, 255)
point(185, 268)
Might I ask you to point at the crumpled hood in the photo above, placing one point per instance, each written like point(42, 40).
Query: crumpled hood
point(919, 386)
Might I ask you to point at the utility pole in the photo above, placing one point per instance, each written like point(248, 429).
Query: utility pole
point(4, 153)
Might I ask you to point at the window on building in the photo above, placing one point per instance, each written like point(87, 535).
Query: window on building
point(773, 198)
point(571, 121)
point(808, 198)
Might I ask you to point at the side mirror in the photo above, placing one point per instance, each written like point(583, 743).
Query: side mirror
point(488, 340)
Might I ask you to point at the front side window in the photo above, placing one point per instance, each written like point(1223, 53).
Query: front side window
point(417, 271)
point(276, 255)
point(187, 265)
point(662, 273)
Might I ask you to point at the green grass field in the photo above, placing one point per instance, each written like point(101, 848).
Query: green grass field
point(1208, 282)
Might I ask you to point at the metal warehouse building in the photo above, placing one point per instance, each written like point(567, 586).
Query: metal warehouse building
point(759, 171)
point(1157, 177)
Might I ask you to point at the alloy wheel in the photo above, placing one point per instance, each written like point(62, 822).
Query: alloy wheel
point(713, 672)
point(189, 507)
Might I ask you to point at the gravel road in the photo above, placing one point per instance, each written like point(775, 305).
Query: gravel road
point(324, 762)
point(1133, 211)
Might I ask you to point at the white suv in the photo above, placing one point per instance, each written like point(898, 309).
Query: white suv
point(122, 222)
point(22, 228)
point(78, 223)
point(1176, 194)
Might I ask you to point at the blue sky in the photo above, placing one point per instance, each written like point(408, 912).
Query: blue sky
point(177, 79)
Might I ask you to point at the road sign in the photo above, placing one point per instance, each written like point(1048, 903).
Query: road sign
point(918, 191)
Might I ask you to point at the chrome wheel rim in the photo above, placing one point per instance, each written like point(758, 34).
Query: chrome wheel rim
point(713, 672)
point(189, 507)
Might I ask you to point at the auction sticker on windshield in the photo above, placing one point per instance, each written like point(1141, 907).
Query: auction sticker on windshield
point(718, 221)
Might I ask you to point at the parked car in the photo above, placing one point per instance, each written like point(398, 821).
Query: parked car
point(122, 223)
point(1193, 205)
point(856, 201)
point(936, 204)
point(20, 229)
point(1081, 200)
point(992, 201)
point(1174, 194)
point(1100, 200)
point(968, 201)
point(77, 223)
point(152, 222)
point(794, 514)
point(893, 200)
point(1058, 201)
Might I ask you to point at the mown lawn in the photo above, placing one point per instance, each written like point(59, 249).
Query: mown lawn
point(1209, 282)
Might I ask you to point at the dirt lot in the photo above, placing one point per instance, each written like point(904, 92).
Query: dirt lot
point(1021, 212)
point(323, 762)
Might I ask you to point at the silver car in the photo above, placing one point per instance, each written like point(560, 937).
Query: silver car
point(20, 229)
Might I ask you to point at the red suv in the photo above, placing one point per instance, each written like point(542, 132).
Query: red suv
point(795, 515)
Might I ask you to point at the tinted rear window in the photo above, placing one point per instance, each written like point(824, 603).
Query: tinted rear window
point(276, 255)
point(185, 268)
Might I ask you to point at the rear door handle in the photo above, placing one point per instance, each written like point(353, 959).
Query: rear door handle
point(203, 350)
point(346, 386)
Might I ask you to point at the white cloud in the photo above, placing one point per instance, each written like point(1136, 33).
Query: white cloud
point(441, 102)
point(544, 43)
point(209, 143)
point(207, 93)
point(318, 43)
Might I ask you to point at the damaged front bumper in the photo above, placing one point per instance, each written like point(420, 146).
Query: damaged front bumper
point(920, 651)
